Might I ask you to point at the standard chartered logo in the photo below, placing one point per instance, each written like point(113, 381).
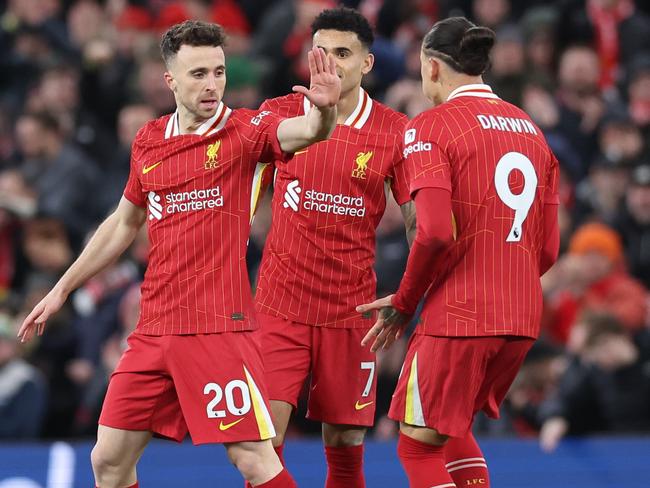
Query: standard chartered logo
point(292, 195)
point(338, 204)
point(184, 201)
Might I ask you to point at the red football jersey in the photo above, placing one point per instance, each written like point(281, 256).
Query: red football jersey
point(327, 203)
point(500, 172)
point(200, 190)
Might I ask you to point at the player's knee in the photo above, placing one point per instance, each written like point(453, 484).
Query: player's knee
point(105, 461)
point(249, 463)
point(342, 435)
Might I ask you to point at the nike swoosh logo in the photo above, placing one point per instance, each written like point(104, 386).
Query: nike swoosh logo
point(361, 406)
point(300, 152)
point(223, 426)
point(146, 169)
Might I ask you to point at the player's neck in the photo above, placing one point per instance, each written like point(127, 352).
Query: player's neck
point(188, 123)
point(455, 82)
point(347, 104)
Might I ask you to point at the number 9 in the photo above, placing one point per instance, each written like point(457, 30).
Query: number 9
point(519, 203)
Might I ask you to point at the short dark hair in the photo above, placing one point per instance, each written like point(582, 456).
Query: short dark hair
point(191, 33)
point(598, 325)
point(461, 44)
point(45, 119)
point(346, 20)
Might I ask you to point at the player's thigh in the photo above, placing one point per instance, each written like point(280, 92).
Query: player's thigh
point(220, 385)
point(118, 447)
point(141, 395)
point(344, 381)
point(286, 351)
point(440, 381)
point(500, 372)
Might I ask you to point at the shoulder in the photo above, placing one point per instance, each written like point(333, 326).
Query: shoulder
point(153, 130)
point(390, 120)
point(428, 124)
point(287, 105)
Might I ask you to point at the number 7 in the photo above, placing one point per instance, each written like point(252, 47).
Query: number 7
point(371, 366)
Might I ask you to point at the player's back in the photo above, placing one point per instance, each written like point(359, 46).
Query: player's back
point(501, 171)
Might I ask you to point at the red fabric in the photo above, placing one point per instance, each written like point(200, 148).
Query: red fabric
point(606, 21)
point(292, 351)
point(434, 234)
point(198, 222)
point(486, 283)
point(424, 463)
point(229, 15)
point(282, 480)
point(618, 294)
point(551, 248)
point(455, 378)
point(344, 467)
point(465, 462)
point(159, 385)
point(318, 264)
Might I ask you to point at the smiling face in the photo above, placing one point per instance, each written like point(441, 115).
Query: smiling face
point(353, 60)
point(197, 77)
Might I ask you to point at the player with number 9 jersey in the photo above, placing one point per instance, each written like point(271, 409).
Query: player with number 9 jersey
point(485, 186)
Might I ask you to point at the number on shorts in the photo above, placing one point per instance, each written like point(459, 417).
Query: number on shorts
point(232, 407)
point(519, 203)
point(371, 366)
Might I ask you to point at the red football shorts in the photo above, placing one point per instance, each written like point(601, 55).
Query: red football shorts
point(343, 380)
point(446, 380)
point(210, 385)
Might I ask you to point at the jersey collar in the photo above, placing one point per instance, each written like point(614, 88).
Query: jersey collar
point(210, 126)
point(359, 115)
point(478, 90)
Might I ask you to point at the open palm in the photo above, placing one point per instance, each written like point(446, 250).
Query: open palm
point(325, 85)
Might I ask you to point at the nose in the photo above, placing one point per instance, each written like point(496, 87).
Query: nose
point(211, 83)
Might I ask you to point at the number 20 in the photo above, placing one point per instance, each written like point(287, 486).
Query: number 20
point(519, 203)
point(230, 400)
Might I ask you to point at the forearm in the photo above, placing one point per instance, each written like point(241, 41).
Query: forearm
point(433, 236)
point(299, 132)
point(408, 212)
point(110, 240)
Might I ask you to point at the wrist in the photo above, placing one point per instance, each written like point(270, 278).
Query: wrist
point(401, 305)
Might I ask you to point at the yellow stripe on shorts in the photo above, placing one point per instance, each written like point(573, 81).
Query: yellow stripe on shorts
point(262, 416)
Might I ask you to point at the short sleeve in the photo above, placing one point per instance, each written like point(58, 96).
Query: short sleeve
point(133, 191)
point(427, 161)
point(262, 129)
point(399, 183)
point(552, 187)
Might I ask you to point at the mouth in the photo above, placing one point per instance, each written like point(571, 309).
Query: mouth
point(209, 103)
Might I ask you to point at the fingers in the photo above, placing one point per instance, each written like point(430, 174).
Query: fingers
point(381, 339)
point(319, 58)
point(331, 64)
point(373, 332)
point(300, 89)
point(312, 62)
point(376, 305)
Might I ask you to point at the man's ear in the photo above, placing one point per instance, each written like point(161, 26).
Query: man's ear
point(171, 82)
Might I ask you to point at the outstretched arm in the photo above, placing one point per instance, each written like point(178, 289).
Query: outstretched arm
point(110, 240)
point(324, 91)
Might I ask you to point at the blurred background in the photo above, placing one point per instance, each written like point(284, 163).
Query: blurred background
point(80, 77)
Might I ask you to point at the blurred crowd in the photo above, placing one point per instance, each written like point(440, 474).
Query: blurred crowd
point(80, 77)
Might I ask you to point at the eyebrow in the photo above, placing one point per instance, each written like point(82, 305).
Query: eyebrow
point(205, 70)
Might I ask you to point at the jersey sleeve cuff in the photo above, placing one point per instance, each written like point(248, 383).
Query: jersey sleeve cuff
point(138, 202)
point(430, 183)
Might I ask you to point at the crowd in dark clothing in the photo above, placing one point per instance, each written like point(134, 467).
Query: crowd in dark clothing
point(80, 77)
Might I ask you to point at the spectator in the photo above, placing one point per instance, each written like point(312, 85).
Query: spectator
point(633, 223)
point(22, 388)
point(592, 276)
point(606, 389)
point(61, 175)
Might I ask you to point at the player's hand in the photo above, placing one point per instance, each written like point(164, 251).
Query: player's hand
point(35, 322)
point(389, 326)
point(325, 85)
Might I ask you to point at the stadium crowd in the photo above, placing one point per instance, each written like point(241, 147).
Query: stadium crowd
point(80, 77)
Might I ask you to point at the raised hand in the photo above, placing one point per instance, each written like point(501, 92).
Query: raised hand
point(325, 85)
point(389, 326)
point(35, 322)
